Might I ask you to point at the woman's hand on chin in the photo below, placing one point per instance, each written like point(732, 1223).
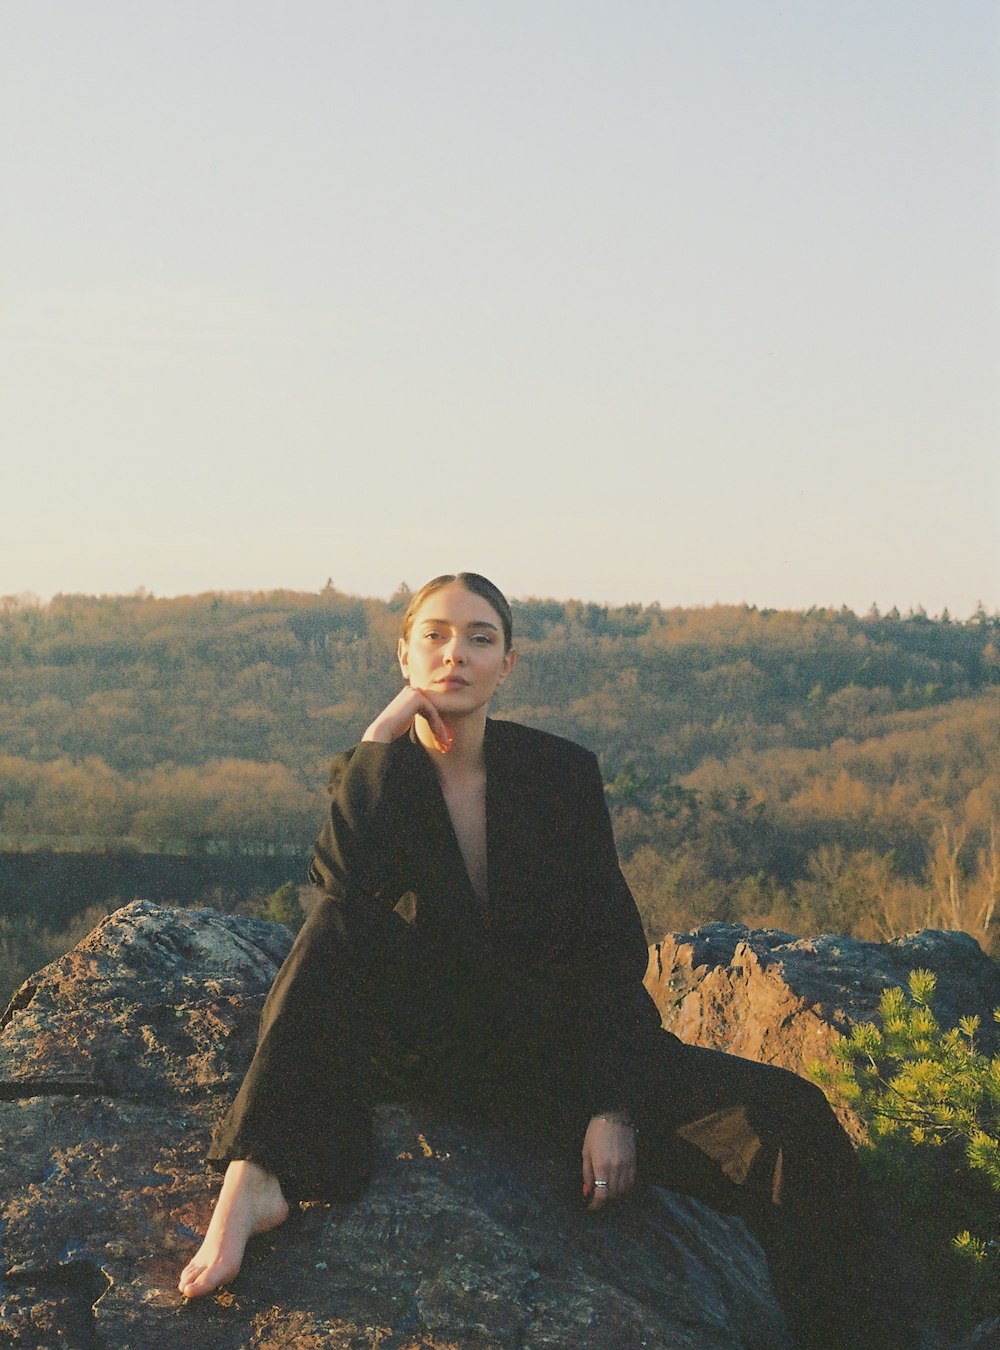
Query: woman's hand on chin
point(608, 1156)
point(397, 717)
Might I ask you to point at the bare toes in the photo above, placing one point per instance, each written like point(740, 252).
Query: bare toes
point(190, 1277)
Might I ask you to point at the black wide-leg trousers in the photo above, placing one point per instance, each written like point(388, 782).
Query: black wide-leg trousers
point(348, 1021)
point(762, 1143)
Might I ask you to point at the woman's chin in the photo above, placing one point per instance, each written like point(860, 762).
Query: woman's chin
point(457, 709)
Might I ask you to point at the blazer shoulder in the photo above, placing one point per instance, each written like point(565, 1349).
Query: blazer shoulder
point(540, 750)
point(365, 769)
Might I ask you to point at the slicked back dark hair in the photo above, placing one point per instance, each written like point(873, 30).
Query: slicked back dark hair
point(478, 585)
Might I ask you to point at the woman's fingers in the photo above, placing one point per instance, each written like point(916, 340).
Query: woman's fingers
point(441, 734)
point(616, 1184)
point(609, 1158)
point(588, 1176)
point(396, 718)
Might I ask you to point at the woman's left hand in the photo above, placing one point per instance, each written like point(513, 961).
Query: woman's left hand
point(608, 1155)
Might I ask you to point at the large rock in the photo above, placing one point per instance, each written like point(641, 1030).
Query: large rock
point(116, 1060)
point(114, 1063)
point(769, 996)
point(155, 1004)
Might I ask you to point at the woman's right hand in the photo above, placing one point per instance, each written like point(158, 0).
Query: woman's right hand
point(396, 718)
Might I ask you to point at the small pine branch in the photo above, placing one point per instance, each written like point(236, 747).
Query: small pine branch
point(972, 1247)
point(922, 984)
point(924, 1089)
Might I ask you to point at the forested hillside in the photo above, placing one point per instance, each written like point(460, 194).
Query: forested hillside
point(813, 770)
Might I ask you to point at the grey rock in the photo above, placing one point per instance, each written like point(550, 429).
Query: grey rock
point(769, 996)
point(114, 1063)
point(154, 1004)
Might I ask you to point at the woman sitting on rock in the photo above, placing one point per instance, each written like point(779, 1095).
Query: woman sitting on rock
point(477, 945)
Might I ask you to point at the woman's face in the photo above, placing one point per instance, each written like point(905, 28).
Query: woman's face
point(455, 650)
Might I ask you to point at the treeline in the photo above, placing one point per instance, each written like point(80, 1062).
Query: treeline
point(172, 807)
point(285, 678)
point(874, 837)
point(814, 770)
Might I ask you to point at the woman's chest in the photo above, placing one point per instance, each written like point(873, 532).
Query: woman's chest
point(509, 863)
point(466, 807)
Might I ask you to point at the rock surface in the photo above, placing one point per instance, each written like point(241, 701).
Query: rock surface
point(769, 996)
point(116, 1060)
point(114, 1063)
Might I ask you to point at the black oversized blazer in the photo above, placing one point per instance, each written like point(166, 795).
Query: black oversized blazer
point(549, 969)
point(557, 953)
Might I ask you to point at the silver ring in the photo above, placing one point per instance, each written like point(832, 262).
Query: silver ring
point(600, 1183)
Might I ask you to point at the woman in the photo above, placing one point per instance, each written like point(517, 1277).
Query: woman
point(458, 845)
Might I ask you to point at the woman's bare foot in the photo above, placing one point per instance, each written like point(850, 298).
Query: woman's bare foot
point(250, 1202)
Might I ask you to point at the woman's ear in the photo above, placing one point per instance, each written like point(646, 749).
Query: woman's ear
point(509, 662)
point(401, 657)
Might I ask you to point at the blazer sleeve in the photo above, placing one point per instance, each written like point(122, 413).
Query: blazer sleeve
point(302, 1111)
point(350, 861)
point(584, 1003)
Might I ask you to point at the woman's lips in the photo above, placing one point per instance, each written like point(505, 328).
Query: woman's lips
point(452, 682)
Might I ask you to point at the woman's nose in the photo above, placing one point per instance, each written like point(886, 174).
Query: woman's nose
point(454, 651)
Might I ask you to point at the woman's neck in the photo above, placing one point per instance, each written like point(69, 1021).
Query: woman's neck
point(466, 752)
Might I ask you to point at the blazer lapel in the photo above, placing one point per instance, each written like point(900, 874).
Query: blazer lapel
point(505, 853)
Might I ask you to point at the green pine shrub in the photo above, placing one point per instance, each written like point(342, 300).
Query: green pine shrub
point(284, 906)
point(930, 1099)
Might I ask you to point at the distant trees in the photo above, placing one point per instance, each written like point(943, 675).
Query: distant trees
point(809, 769)
point(238, 801)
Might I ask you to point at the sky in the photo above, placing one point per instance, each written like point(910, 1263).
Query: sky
point(667, 300)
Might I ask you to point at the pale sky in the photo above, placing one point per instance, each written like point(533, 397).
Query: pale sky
point(647, 300)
